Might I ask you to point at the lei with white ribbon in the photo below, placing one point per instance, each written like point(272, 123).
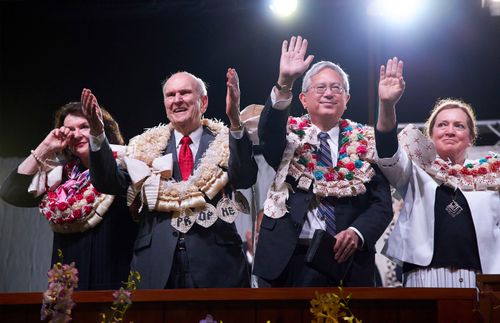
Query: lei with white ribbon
point(299, 161)
point(161, 192)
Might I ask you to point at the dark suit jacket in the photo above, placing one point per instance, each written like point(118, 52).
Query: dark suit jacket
point(215, 253)
point(370, 213)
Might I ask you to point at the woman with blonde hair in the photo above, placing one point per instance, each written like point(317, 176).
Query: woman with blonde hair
point(449, 226)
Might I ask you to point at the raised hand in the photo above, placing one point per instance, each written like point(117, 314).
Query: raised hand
point(391, 85)
point(292, 62)
point(55, 142)
point(390, 89)
point(92, 112)
point(233, 98)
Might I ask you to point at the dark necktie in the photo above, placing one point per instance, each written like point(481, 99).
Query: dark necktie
point(325, 208)
point(186, 161)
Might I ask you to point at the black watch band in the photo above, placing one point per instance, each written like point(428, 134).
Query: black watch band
point(283, 89)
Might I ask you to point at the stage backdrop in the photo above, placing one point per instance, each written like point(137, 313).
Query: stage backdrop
point(26, 243)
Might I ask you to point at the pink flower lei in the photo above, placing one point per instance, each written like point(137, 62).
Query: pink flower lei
point(72, 201)
point(353, 148)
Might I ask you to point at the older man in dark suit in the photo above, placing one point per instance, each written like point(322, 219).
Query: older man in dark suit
point(324, 179)
point(179, 173)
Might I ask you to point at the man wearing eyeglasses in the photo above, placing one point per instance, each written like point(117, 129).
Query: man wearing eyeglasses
point(324, 180)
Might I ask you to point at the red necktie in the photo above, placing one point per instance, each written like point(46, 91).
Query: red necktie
point(186, 161)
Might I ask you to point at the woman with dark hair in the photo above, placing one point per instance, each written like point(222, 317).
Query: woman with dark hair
point(93, 230)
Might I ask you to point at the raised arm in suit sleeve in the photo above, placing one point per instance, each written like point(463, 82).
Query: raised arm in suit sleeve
point(386, 142)
point(105, 174)
point(242, 168)
point(274, 117)
point(272, 132)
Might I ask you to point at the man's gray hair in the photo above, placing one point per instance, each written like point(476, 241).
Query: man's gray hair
point(202, 86)
point(318, 67)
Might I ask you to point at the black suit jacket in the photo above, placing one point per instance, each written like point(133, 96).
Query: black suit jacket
point(370, 213)
point(215, 254)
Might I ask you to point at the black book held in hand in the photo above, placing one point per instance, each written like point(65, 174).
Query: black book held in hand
point(320, 256)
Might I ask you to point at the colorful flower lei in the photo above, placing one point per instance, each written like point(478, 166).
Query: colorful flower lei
point(477, 175)
point(72, 204)
point(299, 161)
point(353, 149)
point(473, 175)
point(483, 166)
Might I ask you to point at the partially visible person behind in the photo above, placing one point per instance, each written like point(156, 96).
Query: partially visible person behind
point(324, 180)
point(449, 226)
point(187, 237)
point(93, 230)
point(252, 238)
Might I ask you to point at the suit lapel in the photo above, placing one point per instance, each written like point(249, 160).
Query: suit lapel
point(206, 139)
point(171, 149)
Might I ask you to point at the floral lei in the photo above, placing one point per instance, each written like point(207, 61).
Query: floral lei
point(74, 205)
point(353, 149)
point(300, 161)
point(207, 179)
point(477, 175)
point(473, 175)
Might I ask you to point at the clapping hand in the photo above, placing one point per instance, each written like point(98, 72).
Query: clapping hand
point(92, 112)
point(391, 85)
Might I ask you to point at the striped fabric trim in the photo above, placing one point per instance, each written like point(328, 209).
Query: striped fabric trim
point(440, 277)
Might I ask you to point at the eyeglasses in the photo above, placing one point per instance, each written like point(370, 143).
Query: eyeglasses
point(321, 89)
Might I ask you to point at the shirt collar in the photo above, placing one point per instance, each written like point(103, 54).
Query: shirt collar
point(333, 132)
point(195, 136)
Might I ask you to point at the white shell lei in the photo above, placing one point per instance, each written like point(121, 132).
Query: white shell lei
point(208, 178)
point(275, 204)
point(477, 175)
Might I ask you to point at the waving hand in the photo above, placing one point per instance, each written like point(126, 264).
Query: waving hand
point(293, 62)
point(390, 89)
point(391, 85)
point(92, 112)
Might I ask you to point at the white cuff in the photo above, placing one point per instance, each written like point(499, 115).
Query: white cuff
point(237, 134)
point(359, 235)
point(281, 104)
point(96, 142)
point(389, 161)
